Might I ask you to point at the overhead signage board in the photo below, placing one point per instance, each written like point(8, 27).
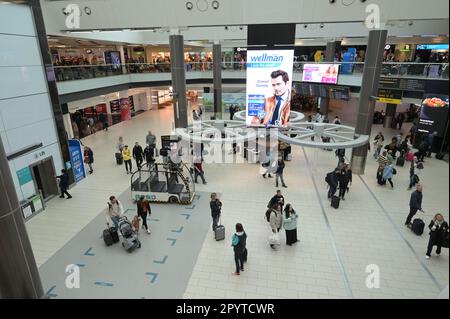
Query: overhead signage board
point(389, 96)
point(402, 84)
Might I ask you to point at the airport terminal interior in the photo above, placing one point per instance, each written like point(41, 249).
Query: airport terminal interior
point(152, 149)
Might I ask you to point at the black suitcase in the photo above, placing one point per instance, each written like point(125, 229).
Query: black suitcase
point(219, 233)
point(114, 234)
point(335, 202)
point(119, 159)
point(107, 237)
point(401, 161)
point(418, 226)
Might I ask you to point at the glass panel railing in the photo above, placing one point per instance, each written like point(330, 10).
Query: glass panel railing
point(412, 70)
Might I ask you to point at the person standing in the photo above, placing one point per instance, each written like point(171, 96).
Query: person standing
point(138, 155)
point(114, 212)
point(120, 145)
point(340, 153)
point(148, 154)
point(239, 243)
point(150, 140)
point(216, 210)
point(332, 180)
point(277, 199)
point(143, 209)
point(438, 230)
point(89, 158)
point(290, 218)
point(279, 173)
point(378, 144)
point(126, 154)
point(64, 183)
point(399, 120)
point(382, 160)
point(430, 140)
point(336, 120)
point(388, 173)
point(198, 171)
point(276, 218)
point(345, 179)
point(415, 204)
point(232, 111)
point(413, 178)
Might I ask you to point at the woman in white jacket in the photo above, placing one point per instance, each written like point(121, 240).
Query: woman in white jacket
point(114, 211)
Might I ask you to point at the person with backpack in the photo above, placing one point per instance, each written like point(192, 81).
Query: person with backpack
point(114, 211)
point(345, 178)
point(388, 173)
point(216, 209)
point(277, 199)
point(438, 233)
point(332, 180)
point(289, 220)
point(415, 204)
point(239, 243)
point(279, 173)
point(89, 158)
point(144, 210)
point(64, 183)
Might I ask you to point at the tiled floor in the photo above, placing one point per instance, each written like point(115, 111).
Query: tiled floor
point(335, 246)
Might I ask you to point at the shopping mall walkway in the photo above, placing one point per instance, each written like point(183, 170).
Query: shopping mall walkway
point(336, 246)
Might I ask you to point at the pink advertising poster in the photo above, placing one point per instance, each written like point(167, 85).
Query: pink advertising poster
point(125, 111)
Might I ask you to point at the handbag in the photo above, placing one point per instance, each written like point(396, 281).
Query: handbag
point(445, 240)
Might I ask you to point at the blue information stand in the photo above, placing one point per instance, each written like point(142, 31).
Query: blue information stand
point(76, 157)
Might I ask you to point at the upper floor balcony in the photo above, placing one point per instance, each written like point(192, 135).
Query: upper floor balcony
point(86, 77)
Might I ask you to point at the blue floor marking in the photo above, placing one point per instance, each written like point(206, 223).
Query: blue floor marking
point(190, 207)
point(178, 230)
point(88, 252)
point(50, 294)
point(81, 265)
point(154, 220)
point(104, 284)
point(163, 261)
point(152, 274)
point(187, 215)
point(173, 241)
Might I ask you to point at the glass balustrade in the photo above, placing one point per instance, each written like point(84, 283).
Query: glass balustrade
point(390, 69)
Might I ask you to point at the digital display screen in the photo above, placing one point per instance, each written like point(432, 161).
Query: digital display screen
point(269, 86)
point(321, 73)
point(434, 114)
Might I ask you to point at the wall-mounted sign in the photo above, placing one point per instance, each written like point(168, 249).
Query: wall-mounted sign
point(24, 176)
point(432, 47)
point(389, 96)
point(402, 84)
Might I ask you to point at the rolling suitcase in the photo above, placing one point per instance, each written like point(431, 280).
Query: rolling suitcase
point(114, 234)
point(400, 161)
point(335, 202)
point(219, 233)
point(107, 237)
point(418, 226)
point(119, 159)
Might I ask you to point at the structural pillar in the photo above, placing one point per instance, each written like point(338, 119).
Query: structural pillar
point(180, 108)
point(19, 276)
point(368, 93)
point(217, 82)
point(391, 109)
point(324, 102)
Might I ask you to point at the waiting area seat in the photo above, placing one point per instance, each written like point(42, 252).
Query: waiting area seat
point(158, 187)
point(174, 187)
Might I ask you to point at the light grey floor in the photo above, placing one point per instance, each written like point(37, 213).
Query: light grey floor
point(160, 269)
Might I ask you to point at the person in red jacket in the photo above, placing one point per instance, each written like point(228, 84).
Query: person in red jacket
point(198, 171)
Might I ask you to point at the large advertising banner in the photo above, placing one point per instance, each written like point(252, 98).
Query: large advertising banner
point(76, 157)
point(321, 73)
point(125, 109)
point(228, 99)
point(434, 114)
point(269, 84)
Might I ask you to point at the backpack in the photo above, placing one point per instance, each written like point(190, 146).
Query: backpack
point(268, 213)
point(328, 178)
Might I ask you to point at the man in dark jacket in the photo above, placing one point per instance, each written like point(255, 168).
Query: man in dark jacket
point(399, 120)
point(64, 184)
point(332, 180)
point(415, 204)
point(277, 199)
point(216, 207)
point(438, 233)
point(279, 173)
point(345, 178)
point(138, 155)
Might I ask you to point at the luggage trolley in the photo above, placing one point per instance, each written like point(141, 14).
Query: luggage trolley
point(163, 183)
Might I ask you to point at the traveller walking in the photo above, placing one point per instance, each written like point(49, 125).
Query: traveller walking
point(216, 210)
point(332, 180)
point(198, 171)
point(345, 180)
point(279, 173)
point(400, 118)
point(413, 178)
point(277, 199)
point(143, 210)
point(126, 154)
point(88, 158)
point(148, 154)
point(378, 144)
point(388, 173)
point(415, 204)
point(290, 219)
point(138, 155)
point(239, 243)
point(114, 212)
point(150, 140)
point(64, 183)
point(382, 160)
point(120, 145)
point(340, 153)
point(438, 235)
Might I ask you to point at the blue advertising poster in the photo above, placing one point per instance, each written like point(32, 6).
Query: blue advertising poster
point(76, 157)
point(349, 56)
point(24, 176)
